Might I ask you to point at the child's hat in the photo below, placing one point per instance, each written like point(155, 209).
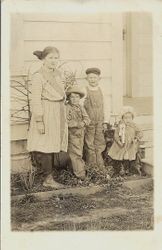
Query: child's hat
point(75, 89)
point(127, 109)
point(93, 70)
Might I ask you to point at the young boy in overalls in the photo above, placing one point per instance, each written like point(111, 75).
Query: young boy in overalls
point(98, 109)
point(77, 119)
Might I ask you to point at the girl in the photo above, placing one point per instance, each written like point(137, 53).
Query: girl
point(48, 128)
point(126, 140)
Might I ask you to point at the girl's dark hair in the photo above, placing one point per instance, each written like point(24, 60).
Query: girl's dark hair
point(42, 54)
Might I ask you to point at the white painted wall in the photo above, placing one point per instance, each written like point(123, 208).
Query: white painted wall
point(141, 54)
point(83, 41)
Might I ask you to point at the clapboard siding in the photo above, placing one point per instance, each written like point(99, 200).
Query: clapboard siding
point(144, 22)
point(144, 39)
point(84, 40)
point(146, 67)
point(90, 18)
point(141, 54)
point(70, 49)
point(67, 31)
point(82, 43)
point(79, 66)
point(145, 53)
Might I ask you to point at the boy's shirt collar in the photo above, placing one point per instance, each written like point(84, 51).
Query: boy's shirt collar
point(93, 88)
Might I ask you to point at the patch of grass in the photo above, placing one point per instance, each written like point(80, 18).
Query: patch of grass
point(30, 210)
point(131, 221)
point(70, 204)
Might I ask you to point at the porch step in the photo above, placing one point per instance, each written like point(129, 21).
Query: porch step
point(145, 120)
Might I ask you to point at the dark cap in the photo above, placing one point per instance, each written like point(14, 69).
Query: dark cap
point(93, 70)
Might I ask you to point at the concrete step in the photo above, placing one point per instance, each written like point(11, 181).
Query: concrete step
point(84, 191)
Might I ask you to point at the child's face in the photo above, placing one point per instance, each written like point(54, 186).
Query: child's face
point(74, 98)
point(51, 60)
point(127, 118)
point(93, 79)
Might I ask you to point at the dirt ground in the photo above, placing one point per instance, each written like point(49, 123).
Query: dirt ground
point(116, 208)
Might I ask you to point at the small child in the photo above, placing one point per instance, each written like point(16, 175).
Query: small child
point(77, 119)
point(97, 106)
point(124, 149)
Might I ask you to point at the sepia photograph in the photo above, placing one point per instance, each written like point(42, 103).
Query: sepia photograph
point(81, 121)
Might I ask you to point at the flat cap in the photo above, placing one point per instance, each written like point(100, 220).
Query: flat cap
point(93, 70)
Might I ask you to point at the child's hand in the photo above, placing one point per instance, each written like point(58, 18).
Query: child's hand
point(41, 127)
point(81, 124)
point(120, 144)
point(135, 140)
point(104, 127)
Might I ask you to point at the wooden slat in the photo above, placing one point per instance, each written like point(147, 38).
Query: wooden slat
point(145, 23)
point(79, 66)
point(105, 83)
point(142, 47)
point(91, 18)
point(71, 50)
point(16, 42)
point(145, 66)
point(19, 131)
point(117, 62)
point(145, 91)
point(66, 31)
point(145, 52)
point(145, 39)
point(146, 78)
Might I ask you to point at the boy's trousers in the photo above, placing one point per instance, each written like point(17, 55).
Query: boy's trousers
point(94, 144)
point(75, 151)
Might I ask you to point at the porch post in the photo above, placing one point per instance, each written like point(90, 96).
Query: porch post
point(117, 62)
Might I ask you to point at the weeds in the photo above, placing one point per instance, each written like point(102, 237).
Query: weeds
point(23, 181)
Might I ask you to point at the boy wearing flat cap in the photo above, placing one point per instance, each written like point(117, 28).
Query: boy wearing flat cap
point(97, 107)
point(77, 119)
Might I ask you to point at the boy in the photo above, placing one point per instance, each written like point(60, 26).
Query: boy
point(98, 108)
point(77, 120)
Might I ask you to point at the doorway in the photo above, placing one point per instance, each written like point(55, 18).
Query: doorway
point(127, 87)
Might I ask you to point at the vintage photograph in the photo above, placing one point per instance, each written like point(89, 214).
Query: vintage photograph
point(81, 121)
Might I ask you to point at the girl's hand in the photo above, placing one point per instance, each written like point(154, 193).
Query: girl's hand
point(41, 127)
point(104, 127)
